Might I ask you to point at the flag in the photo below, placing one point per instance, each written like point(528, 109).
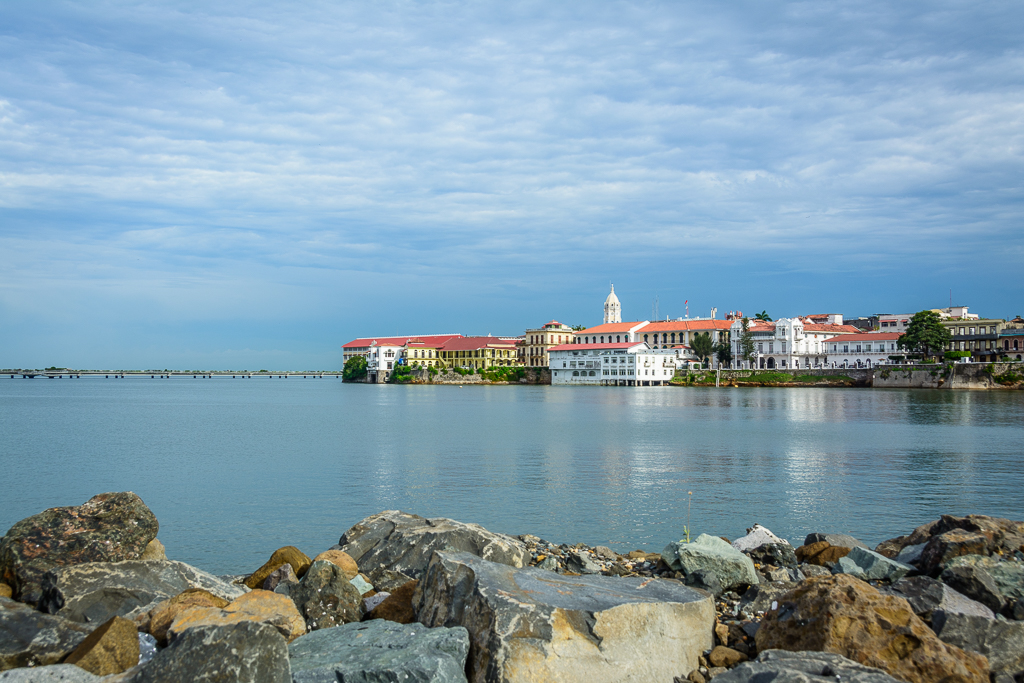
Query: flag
point(686, 302)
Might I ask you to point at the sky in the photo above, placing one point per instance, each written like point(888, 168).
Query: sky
point(251, 185)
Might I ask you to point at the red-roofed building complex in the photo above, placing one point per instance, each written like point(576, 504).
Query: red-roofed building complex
point(383, 353)
point(478, 352)
point(789, 343)
point(537, 342)
point(866, 350)
point(633, 364)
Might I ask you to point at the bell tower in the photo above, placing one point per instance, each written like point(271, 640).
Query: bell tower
point(612, 308)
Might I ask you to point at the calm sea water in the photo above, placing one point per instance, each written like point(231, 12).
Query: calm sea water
point(234, 469)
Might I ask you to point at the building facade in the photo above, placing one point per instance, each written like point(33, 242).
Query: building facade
point(866, 350)
point(383, 353)
point(787, 343)
point(537, 342)
point(633, 364)
point(1011, 340)
point(978, 336)
point(478, 353)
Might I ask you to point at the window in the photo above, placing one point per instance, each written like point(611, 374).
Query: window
point(846, 348)
point(962, 330)
point(771, 347)
point(972, 330)
point(760, 347)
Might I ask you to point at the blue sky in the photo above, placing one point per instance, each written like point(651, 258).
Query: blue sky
point(250, 185)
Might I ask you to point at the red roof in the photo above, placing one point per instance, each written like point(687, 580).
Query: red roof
point(593, 347)
point(673, 325)
point(474, 343)
point(835, 329)
point(436, 340)
point(872, 336)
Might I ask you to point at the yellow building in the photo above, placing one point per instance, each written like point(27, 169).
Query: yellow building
point(418, 353)
point(478, 352)
point(538, 342)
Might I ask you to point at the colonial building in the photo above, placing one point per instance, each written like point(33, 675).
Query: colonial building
point(478, 352)
point(611, 333)
point(537, 342)
point(633, 364)
point(667, 333)
point(1011, 340)
point(383, 353)
point(612, 308)
point(866, 350)
point(978, 336)
point(787, 343)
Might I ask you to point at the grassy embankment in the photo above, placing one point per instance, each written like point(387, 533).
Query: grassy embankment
point(759, 378)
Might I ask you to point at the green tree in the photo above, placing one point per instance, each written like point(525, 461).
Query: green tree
point(723, 351)
point(578, 328)
point(355, 368)
point(763, 315)
point(925, 334)
point(747, 341)
point(702, 345)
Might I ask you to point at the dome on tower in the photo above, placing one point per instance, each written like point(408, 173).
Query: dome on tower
point(612, 308)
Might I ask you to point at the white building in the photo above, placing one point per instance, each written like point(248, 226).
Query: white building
point(865, 350)
point(612, 308)
point(381, 360)
point(633, 364)
point(787, 343)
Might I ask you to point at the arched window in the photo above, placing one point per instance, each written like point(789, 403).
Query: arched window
point(591, 373)
point(1015, 342)
point(645, 337)
point(618, 338)
point(673, 337)
point(575, 373)
point(602, 339)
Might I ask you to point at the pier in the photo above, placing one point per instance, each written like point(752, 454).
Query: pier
point(127, 374)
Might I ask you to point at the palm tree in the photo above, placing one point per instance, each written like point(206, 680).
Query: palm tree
point(763, 315)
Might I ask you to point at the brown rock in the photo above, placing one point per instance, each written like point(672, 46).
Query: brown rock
point(722, 631)
point(637, 555)
point(1005, 534)
point(154, 551)
point(845, 616)
point(397, 607)
point(342, 560)
point(821, 553)
point(805, 551)
point(953, 543)
point(287, 555)
point(156, 621)
point(261, 606)
point(727, 657)
point(5, 591)
point(695, 677)
point(892, 547)
point(110, 649)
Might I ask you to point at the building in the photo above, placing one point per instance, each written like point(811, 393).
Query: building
point(537, 342)
point(361, 346)
point(978, 336)
point(668, 333)
point(633, 364)
point(383, 353)
point(418, 353)
point(1011, 340)
point(788, 343)
point(612, 308)
point(611, 333)
point(865, 350)
point(478, 353)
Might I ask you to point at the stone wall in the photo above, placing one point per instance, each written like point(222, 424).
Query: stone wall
point(952, 376)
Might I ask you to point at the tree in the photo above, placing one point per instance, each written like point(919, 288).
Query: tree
point(578, 328)
point(723, 351)
point(355, 368)
point(747, 342)
point(763, 315)
point(702, 345)
point(925, 334)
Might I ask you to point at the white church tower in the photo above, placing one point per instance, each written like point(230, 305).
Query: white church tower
point(612, 308)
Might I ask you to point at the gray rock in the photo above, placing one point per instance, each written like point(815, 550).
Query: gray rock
point(605, 553)
point(96, 591)
point(842, 540)
point(325, 597)
point(58, 673)
point(581, 563)
point(910, 554)
point(760, 598)
point(781, 666)
point(380, 650)
point(549, 563)
point(283, 574)
point(756, 537)
point(975, 583)
point(374, 600)
point(387, 581)
point(711, 555)
point(777, 554)
point(246, 652)
point(812, 570)
point(532, 625)
point(870, 566)
point(1006, 575)
point(30, 638)
point(926, 595)
point(361, 584)
point(1001, 641)
point(401, 542)
point(147, 647)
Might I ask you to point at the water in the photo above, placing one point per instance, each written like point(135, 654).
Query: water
point(234, 469)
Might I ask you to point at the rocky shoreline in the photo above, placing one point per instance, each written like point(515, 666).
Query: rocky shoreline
point(87, 594)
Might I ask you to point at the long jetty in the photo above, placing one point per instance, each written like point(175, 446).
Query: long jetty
point(166, 374)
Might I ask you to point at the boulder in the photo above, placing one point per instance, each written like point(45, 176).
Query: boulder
point(777, 554)
point(910, 554)
point(892, 547)
point(710, 556)
point(380, 651)
point(109, 527)
point(871, 566)
point(845, 616)
point(361, 584)
point(780, 666)
point(58, 673)
point(725, 657)
point(6, 591)
point(111, 649)
point(258, 606)
point(821, 553)
point(30, 638)
point(605, 553)
point(581, 563)
point(1002, 535)
point(756, 537)
point(287, 555)
point(926, 595)
point(157, 620)
point(838, 540)
point(942, 548)
point(96, 591)
point(811, 570)
point(342, 559)
point(283, 574)
point(387, 581)
point(154, 551)
point(243, 652)
point(400, 542)
point(531, 624)
point(398, 606)
point(1001, 641)
point(325, 597)
point(1003, 577)
point(371, 602)
point(761, 597)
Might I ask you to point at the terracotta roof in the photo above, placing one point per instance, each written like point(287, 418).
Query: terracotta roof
point(872, 336)
point(612, 327)
point(473, 343)
point(436, 340)
point(835, 329)
point(673, 325)
point(594, 347)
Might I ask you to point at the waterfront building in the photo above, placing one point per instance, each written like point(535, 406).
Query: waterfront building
point(978, 336)
point(1011, 340)
point(478, 352)
point(612, 308)
point(667, 333)
point(866, 350)
point(418, 353)
point(633, 364)
point(361, 346)
point(383, 353)
point(611, 333)
point(537, 342)
point(789, 343)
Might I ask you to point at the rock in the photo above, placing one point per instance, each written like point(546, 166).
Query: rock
point(325, 597)
point(910, 554)
point(694, 677)
point(722, 633)
point(6, 591)
point(369, 603)
point(58, 673)
point(29, 638)
point(996, 583)
point(811, 570)
point(282, 574)
point(927, 595)
point(951, 544)
point(402, 542)
point(784, 574)
point(147, 647)
point(839, 540)
point(760, 598)
point(780, 666)
point(154, 551)
point(1006, 535)
point(726, 657)
point(871, 566)
point(387, 581)
point(892, 547)
point(258, 606)
point(157, 620)
point(756, 537)
point(361, 584)
point(712, 556)
point(380, 651)
point(287, 555)
point(243, 652)
point(398, 606)
point(531, 625)
point(580, 563)
point(342, 559)
point(821, 553)
point(1001, 641)
point(109, 527)
point(96, 591)
point(845, 616)
point(112, 648)
point(716, 671)
point(605, 553)
point(777, 554)
point(549, 563)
